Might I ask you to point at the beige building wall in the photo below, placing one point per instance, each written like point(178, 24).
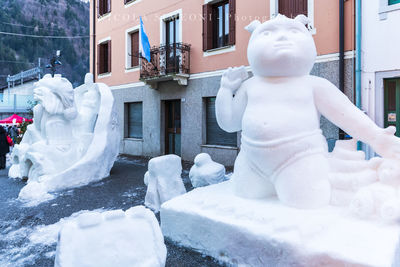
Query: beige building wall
point(122, 17)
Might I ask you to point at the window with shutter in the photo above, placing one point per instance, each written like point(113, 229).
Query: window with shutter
point(134, 126)
point(103, 7)
point(292, 8)
point(134, 52)
point(104, 57)
point(219, 24)
point(214, 134)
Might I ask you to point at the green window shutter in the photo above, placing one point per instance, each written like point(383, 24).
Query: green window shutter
point(135, 120)
point(393, 2)
point(214, 134)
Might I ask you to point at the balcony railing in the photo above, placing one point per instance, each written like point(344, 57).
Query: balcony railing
point(168, 62)
point(35, 72)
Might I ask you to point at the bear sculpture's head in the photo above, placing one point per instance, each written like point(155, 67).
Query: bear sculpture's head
point(281, 47)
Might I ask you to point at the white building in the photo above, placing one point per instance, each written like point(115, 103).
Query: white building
point(17, 97)
point(380, 86)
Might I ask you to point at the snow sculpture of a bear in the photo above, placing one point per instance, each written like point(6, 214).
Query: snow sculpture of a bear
point(74, 139)
point(283, 151)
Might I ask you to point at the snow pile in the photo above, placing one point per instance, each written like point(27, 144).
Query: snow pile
point(112, 238)
point(349, 171)
point(380, 199)
point(14, 171)
point(25, 245)
point(163, 180)
point(369, 188)
point(205, 171)
point(265, 232)
point(34, 194)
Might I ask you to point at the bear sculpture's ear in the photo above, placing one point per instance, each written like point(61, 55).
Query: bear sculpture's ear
point(252, 26)
point(303, 19)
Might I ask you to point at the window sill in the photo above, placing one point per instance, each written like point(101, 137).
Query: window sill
point(104, 75)
point(220, 147)
point(132, 69)
point(104, 16)
point(219, 50)
point(131, 3)
point(133, 139)
point(385, 8)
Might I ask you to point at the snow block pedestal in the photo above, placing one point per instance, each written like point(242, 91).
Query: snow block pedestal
point(264, 232)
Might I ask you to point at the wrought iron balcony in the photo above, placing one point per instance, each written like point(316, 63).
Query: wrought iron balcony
point(168, 62)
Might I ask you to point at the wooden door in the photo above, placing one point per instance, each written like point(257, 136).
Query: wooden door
point(392, 104)
point(173, 127)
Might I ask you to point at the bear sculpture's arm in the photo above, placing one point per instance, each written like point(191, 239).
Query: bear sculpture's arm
point(231, 99)
point(337, 108)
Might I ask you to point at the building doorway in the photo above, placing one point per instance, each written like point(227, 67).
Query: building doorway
point(392, 104)
point(173, 127)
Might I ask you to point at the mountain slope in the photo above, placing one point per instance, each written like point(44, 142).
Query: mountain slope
point(44, 18)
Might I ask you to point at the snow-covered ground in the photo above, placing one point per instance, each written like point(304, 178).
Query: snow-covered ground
point(28, 235)
point(36, 199)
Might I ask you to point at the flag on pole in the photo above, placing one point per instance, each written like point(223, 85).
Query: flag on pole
point(144, 42)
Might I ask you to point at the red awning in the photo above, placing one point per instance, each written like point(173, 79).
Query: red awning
point(18, 119)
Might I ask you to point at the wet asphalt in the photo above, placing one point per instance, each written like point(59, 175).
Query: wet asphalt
point(122, 190)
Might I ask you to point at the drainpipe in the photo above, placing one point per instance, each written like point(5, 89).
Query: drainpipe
point(15, 103)
point(9, 88)
point(341, 45)
point(358, 53)
point(94, 41)
point(40, 70)
point(358, 58)
point(341, 54)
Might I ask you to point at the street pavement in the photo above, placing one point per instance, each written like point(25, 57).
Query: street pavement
point(26, 231)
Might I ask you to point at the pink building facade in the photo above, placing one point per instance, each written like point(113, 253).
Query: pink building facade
point(167, 105)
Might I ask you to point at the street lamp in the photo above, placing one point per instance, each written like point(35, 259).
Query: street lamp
point(54, 62)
